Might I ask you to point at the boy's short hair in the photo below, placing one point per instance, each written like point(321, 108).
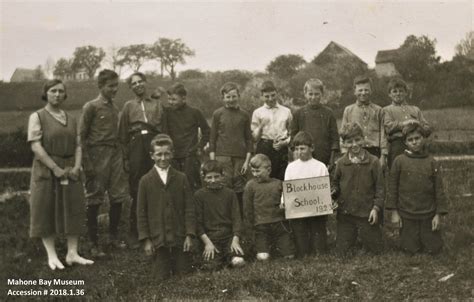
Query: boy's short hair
point(228, 87)
point(362, 79)
point(260, 160)
point(313, 83)
point(351, 130)
point(157, 93)
point(397, 83)
point(302, 138)
point(211, 166)
point(177, 89)
point(161, 140)
point(48, 85)
point(410, 128)
point(106, 75)
point(267, 86)
point(136, 73)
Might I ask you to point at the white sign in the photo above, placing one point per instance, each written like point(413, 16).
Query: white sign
point(307, 197)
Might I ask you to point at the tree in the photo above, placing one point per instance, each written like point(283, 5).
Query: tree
point(465, 47)
point(134, 55)
point(48, 67)
point(286, 66)
point(88, 57)
point(114, 59)
point(62, 68)
point(191, 74)
point(417, 58)
point(170, 52)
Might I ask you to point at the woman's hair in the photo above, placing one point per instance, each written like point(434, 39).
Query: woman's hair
point(48, 85)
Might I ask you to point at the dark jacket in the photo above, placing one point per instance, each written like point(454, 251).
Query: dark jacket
point(415, 188)
point(359, 187)
point(165, 213)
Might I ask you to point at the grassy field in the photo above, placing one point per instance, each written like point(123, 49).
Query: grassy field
point(393, 276)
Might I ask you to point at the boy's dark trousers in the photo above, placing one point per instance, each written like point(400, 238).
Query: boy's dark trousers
point(140, 163)
point(222, 258)
point(349, 226)
point(171, 260)
point(276, 235)
point(190, 166)
point(279, 158)
point(416, 235)
point(395, 148)
point(310, 235)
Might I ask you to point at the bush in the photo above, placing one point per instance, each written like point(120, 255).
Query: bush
point(16, 151)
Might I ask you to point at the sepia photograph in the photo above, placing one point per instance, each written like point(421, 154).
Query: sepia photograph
point(257, 150)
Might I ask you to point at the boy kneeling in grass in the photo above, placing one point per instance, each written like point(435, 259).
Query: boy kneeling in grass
point(358, 185)
point(416, 194)
point(262, 210)
point(166, 212)
point(218, 219)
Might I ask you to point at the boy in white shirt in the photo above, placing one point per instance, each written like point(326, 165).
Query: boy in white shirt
point(310, 232)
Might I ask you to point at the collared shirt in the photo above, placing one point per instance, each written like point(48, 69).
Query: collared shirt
point(394, 115)
point(139, 114)
point(163, 173)
point(276, 121)
point(369, 117)
point(99, 123)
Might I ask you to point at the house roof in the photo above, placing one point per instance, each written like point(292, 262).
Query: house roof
point(333, 44)
point(21, 74)
point(386, 56)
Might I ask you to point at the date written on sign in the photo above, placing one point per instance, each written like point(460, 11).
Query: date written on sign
point(307, 197)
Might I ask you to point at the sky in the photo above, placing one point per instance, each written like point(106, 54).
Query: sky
point(225, 35)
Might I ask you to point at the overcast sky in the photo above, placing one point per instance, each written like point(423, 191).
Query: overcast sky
point(232, 35)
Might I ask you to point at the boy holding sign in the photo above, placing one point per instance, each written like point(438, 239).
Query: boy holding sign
point(262, 210)
point(309, 232)
point(359, 187)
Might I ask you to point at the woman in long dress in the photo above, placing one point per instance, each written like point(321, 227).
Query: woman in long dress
point(57, 203)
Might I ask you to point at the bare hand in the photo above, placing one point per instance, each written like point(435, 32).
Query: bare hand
point(383, 161)
point(74, 173)
point(58, 172)
point(149, 248)
point(373, 217)
point(212, 155)
point(436, 223)
point(188, 243)
point(277, 145)
point(396, 219)
point(126, 165)
point(209, 251)
point(235, 247)
point(244, 168)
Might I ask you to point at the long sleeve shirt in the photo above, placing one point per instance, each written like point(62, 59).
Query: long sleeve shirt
point(415, 188)
point(319, 121)
point(139, 115)
point(230, 133)
point(218, 213)
point(369, 117)
point(359, 186)
point(166, 213)
point(274, 122)
point(262, 202)
point(394, 115)
point(182, 125)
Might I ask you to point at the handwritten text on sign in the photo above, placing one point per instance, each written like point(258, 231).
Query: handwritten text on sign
point(307, 197)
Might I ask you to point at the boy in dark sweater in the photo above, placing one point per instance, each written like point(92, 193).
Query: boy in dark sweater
point(359, 187)
point(183, 123)
point(166, 213)
point(416, 194)
point(262, 196)
point(231, 142)
point(218, 219)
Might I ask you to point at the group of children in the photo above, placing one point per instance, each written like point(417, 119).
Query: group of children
point(171, 211)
